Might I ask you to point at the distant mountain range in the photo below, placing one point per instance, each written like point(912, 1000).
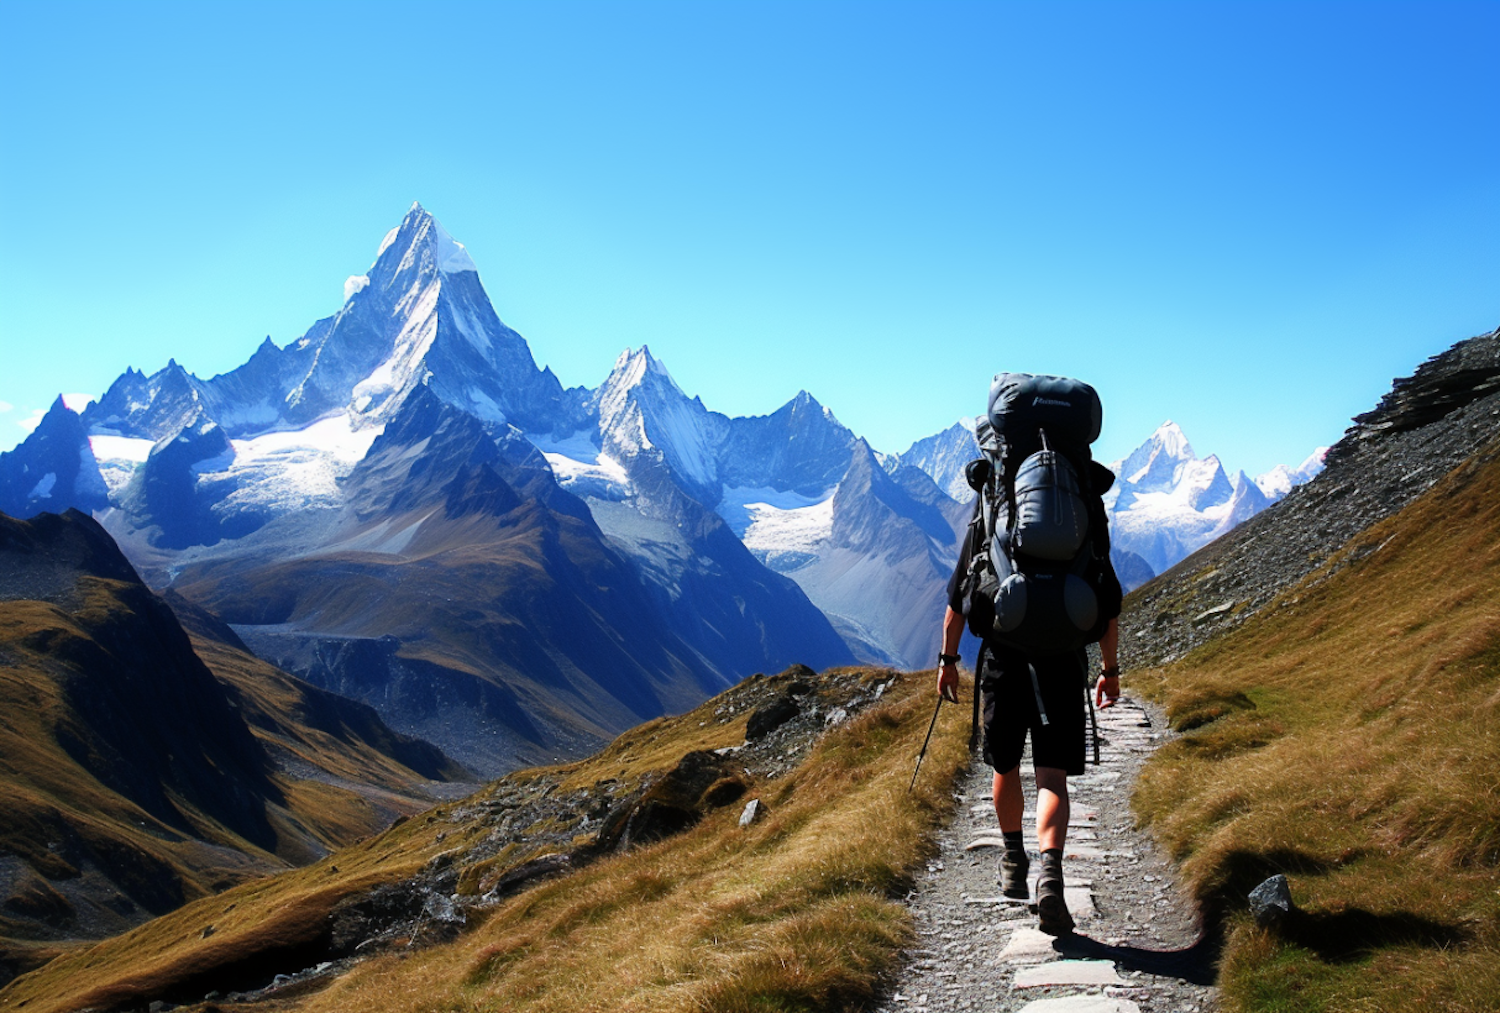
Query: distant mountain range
point(1166, 502)
point(402, 507)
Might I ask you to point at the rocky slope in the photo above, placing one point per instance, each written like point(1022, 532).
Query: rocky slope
point(1428, 424)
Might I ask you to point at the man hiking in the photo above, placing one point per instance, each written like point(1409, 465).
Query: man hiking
point(1032, 662)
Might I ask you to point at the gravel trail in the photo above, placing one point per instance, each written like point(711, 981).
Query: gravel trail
point(1137, 948)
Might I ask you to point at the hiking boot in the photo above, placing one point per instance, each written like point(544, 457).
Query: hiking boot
point(1051, 906)
point(1015, 867)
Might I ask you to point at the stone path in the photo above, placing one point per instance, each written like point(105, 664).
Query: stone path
point(1137, 947)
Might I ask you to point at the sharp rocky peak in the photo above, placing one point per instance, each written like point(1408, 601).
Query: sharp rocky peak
point(805, 404)
point(635, 367)
point(1171, 439)
point(421, 240)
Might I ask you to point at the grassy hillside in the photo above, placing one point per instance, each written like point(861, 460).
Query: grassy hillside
point(1349, 737)
point(120, 799)
point(798, 911)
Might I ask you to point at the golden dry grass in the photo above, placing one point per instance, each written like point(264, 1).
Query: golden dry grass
point(798, 912)
point(1349, 737)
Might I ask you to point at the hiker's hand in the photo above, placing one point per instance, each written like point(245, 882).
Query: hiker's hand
point(947, 685)
point(1107, 691)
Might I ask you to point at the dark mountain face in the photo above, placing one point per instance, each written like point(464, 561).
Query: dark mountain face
point(150, 720)
point(1132, 570)
point(134, 711)
point(166, 489)
point(132, 775)
point(468, 599)
point(53, 470)
point(294, 711)
point(800, 447)
point(1429, 424)
point(44, 557)
point(1453, 380)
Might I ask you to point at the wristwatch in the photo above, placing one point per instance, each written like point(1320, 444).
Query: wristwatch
point(1109, 671)
point(947, 659)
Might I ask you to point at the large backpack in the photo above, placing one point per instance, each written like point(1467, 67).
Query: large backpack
point(1042, 542)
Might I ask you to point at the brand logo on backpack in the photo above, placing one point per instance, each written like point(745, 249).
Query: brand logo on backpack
point(1037, 558)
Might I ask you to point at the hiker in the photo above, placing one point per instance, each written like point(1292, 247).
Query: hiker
point(1034, 688)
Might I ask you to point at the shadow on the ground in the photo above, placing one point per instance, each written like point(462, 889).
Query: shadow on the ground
point(1335, 936)
point(1197, 964)
point(1341, 936)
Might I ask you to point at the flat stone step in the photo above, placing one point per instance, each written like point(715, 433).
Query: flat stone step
point(1068, 972)
point(1027, 946)
point(1081, 1004)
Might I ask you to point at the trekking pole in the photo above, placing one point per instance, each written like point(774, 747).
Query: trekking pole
point(1088, 694)
point(930, 726)
point(974, 721)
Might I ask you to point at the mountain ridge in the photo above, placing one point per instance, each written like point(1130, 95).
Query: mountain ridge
point(754, 542)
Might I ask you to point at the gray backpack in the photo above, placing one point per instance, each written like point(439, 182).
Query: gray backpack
point(1041, 543)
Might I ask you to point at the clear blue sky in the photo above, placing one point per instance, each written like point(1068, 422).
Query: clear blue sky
point(1245, 217)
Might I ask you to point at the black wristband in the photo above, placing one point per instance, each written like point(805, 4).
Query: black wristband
point(1109, 672)
point(947, 659)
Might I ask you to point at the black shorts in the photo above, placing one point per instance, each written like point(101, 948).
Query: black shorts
point(1009, 699)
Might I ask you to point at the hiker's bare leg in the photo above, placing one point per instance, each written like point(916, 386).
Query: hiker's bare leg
point(1051, 807)
point(1010, 803)
point(1051, 831)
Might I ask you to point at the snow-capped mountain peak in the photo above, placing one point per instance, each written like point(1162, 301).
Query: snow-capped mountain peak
point(419, 243)
point(419, 315)
point(944, 456)
point(804, 403)
point(638, 366)
point(641, 408)
point(1172, 439)
point(1156, 465)
point(390, 237)
point(1168, 502)
point(1279, 480)
point(1205, 483)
